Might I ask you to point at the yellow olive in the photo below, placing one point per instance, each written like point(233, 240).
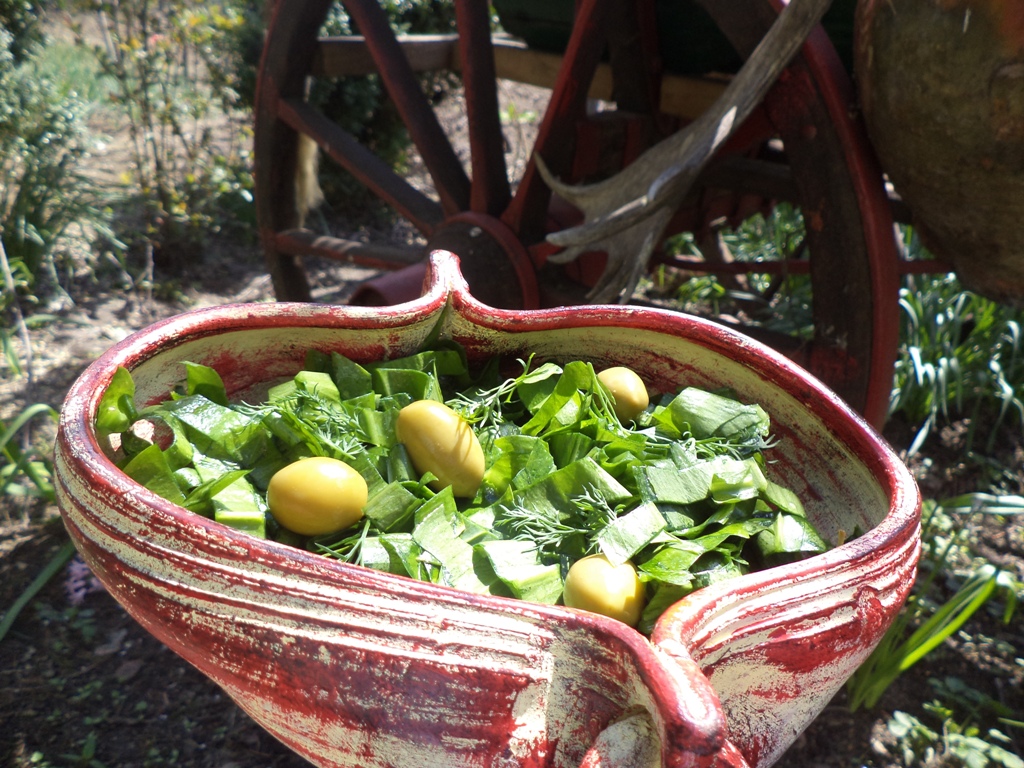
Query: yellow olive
point(594, 584)
point(441, 442)
point(628, 392)
point(316, 495)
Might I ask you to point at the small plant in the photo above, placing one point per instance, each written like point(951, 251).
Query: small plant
point(87, 757)
point(966, 743)
point(960, 355)
point(21, 19)
point(361, 105)
point(49, 571)
point(780, 303)
point(25, 473)
point(925, 624)
point(516, 119)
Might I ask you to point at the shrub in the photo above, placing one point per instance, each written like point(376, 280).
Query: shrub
point(361, 105)
point(42, 189)
point(26, 473)
point(21, 19)
point(189, 142)
point(931, 615)
point(960, 355)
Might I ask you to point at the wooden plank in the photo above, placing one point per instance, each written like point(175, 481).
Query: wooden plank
point(348, 56)
point(768, 178)
point(689, 97)
point(683, 97)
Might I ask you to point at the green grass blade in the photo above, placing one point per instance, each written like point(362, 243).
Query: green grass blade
point(58, 561)
point(948, 619)
point(23, 418)
point(985, 503)
point(20, 462)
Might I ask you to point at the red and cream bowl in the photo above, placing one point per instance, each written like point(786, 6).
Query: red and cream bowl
point(352, 667)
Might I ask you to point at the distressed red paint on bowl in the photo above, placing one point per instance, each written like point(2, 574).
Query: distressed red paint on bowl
point(352, 667)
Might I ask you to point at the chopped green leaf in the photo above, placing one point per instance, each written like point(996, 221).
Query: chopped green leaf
point(682, 493)
point(150, 468)
point(319, 384)
point(116, 409)
point(437, 532)
point(671, 564)
point(205, 381)
point(783, 498)
point(404, 553)
point(518, 565)
point(671, 485)
point(706, 414)
point(351, 379)
point(391, 507)
point(628, 534)
point(787, 539)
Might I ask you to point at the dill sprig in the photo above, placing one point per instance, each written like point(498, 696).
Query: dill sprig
point(325, 429)
point(573, 531)
point(486, 407)
point(710, 447)
point(600, 400)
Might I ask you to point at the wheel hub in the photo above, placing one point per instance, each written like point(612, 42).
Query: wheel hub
point(494, 262)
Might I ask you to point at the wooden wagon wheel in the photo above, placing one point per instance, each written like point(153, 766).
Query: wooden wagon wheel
point(498, 228)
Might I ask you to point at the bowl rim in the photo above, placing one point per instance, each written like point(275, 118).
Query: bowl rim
point(446, 290)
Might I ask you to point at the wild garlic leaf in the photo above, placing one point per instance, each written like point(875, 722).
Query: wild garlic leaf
point(706, 414)
point(518, 565)
point(683, 494)
point(150, 469)
point(205, 381)
point(116, 410)
point(625, 536)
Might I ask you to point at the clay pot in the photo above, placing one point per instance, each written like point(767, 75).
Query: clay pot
point(353, 667)
point(941, 84)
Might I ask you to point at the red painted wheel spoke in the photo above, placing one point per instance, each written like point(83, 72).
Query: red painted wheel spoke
point(370, 170)
point(402, 85)
point(490, 190)
point(526, 213)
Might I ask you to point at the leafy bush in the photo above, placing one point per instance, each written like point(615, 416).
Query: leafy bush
point(780, 303)
point(43, 191)
point(189, 143)
point(25, 472)
point(960, 355)
point(957, 744)
point(21, 19)
point(360, 105)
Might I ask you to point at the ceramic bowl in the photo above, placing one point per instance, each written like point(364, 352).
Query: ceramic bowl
point(352, 667)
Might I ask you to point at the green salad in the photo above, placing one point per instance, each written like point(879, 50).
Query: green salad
point(554, 483)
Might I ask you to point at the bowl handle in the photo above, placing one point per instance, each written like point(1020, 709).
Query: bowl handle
point(690, 715)
point(686, 714)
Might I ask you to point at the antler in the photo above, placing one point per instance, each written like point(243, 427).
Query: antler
point(626, 214)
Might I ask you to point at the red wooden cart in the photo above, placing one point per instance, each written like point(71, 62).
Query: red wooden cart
point(804, 143)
